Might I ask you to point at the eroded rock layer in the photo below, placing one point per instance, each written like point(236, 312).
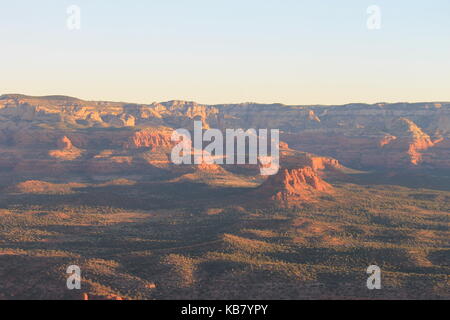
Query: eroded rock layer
point(59, 134)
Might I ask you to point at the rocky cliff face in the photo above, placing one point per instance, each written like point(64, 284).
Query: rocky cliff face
point(301, 178)
point(150, 138)
point(62, 133)
point(407, 147)
point(294, 186)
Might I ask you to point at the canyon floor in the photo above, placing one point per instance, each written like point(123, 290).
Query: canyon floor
point(165, 240)
point(90, 183)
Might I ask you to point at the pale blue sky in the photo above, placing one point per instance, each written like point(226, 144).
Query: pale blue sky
point(216, 51)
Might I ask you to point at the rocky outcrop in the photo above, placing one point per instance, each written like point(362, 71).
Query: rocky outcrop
point(65, 143)
point(293, 186)
point(300, 178)
point(290, 158)
point(150, 138)
point(66, 150)
point(405, 148)
point(415, 140)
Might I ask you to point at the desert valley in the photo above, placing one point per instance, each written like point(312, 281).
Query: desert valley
point(91, 183)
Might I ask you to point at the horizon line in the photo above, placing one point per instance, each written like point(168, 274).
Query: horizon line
point(217, 104)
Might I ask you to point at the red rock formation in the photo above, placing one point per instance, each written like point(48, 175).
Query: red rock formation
point(407, 147)
point(295, 159)
point(149, 139)
point(283, 145)
point(66, 150)
point(212, 168)
point(322, 163)
point(64, 143)
point(387, 139)
point(358, 135)
point(292, 186)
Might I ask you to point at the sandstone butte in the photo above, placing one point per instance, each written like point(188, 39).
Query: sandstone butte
point(293, 186)
point(299, 179)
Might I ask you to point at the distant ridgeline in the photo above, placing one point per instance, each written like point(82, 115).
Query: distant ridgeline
point(399, 135)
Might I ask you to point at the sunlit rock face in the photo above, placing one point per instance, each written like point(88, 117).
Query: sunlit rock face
point(62, 133)
point(294, 186)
